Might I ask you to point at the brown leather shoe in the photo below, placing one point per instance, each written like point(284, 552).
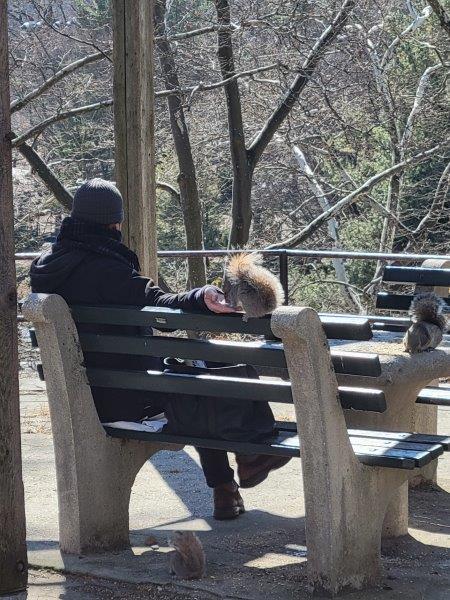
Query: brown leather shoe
point(253, 470)
point(228, 503)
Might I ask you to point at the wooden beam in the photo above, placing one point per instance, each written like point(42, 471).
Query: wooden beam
point(13, 553)
point(134, 126)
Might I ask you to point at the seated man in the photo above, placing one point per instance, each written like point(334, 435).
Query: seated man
point(88, 264)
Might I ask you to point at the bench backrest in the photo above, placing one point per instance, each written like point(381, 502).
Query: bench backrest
point(263, 354)
point(431, 276)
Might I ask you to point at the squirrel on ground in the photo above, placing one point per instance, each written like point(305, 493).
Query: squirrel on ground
point(188, 559)
point(428, 323)
point(249, 286)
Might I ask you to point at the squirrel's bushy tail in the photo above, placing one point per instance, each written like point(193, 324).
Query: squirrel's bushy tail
point(428, 307)
point(239, 265)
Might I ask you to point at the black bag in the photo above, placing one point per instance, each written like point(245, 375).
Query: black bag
point(226, 419)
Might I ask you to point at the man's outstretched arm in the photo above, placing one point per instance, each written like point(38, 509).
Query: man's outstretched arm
point(118, 284)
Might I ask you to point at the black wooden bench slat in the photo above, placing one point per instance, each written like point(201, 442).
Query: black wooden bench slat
point(434, 450)
point(261, 354)
point(356, 363)
point(435, 396)
point(287, 445)
point(417, 275)
point(273, 446)
point(385, 326)
point(225, 387)
point(419, 439)
point(150, 316)
point(217, 387)
point(397, 301)
point(381, 322)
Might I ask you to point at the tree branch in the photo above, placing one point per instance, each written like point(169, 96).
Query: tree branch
point(420, 93)
point(417, 22)
point(162, 185)
point(350, 198)
point(187, 177)
point(62, 195)
point(439, 198)
point(247, 23)
point(206, 87)
point(263, 138)
point(73, 112)
point(106, 103)
point(71, 37)
point(21, 102)
point(242, 169)
point(319, 193)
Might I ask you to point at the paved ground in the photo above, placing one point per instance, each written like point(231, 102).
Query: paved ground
point(260, 556)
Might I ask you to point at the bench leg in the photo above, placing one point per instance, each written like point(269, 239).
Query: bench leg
point(345, 501)
point(425, 420)
point(94, 496)
point(94, 472)
point(396, 519)
point(344, 533)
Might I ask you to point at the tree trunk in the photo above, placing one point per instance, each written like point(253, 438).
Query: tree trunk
point(443, 16)
point(134, 126)
point(13, 552)
point(187, 179)
point(242, 167)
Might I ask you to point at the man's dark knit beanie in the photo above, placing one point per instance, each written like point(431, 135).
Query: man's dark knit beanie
point(98, 201)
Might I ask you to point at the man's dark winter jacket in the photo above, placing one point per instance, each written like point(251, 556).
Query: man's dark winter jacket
point(88, 264)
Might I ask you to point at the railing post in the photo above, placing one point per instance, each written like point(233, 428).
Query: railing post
point(284, 274)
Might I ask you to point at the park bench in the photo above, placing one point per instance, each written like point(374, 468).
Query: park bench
point(350, 468)
point(400, 284)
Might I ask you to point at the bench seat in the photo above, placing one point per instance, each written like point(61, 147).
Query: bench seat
point(376, 451)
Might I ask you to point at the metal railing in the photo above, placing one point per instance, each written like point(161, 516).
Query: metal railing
point(283, 256)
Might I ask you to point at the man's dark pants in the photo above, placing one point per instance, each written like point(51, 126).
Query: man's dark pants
point(111, 407)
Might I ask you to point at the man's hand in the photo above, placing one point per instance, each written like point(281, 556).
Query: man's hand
point(215, 301)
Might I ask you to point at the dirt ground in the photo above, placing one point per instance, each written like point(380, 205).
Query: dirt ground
point(48, 585)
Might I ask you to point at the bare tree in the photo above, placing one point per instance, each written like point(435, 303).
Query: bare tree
point(187, 179)
point(244, 160)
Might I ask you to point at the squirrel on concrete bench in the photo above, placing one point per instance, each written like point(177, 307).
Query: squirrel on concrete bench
point(429, 324)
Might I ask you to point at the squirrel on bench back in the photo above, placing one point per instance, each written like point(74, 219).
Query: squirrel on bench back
point(428, 323)
point(249, 286)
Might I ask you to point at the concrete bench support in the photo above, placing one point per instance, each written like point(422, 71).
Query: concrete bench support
point(345, 501)
point(426, 417)
point(95, 473)
point(402, 377)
